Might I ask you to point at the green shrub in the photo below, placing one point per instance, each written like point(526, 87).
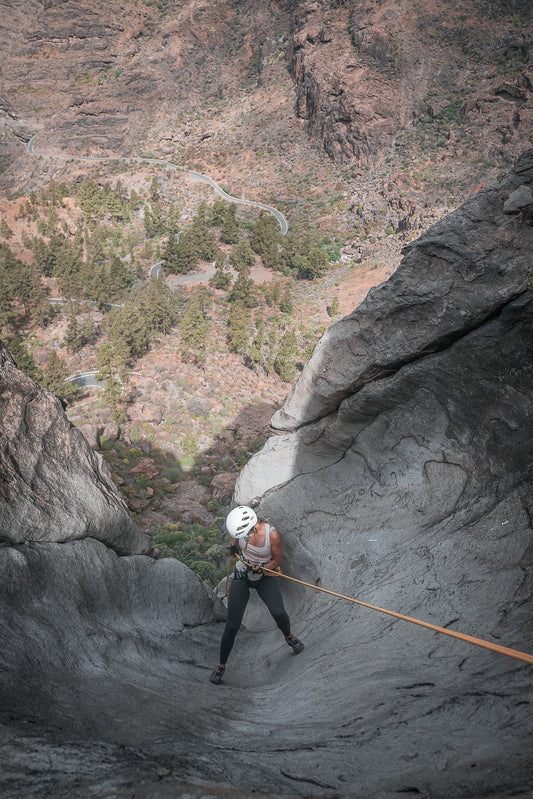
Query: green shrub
point(202, 549)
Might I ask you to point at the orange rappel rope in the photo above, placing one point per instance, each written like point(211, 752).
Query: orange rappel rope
point(503, 650)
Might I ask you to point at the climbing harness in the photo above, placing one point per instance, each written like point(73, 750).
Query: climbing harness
point(503, 650)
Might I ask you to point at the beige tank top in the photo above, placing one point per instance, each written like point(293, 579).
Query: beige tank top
point(253, 554)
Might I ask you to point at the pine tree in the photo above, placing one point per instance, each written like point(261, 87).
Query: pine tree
point(194, 328)
point(112, 396)
point(285, 363)
point(111, 375)
point(255, 351)
point(285, 303)
point(272, 292)
point(73, 338)
point(55, 377)
point(305, 257)
point(218, 213)
point(154, 221)
point(265, 233)
point(173, 217)
point(272, 257)
point(119, 278)
point(180, 256)
point(45, 255)
point(229, 231)
point(244, 291)
point(38, 306)
point(239, 322)
point(94, 280)
point(67, 270)
point(242, 257)
point(5, 230)
point(89, 197)
point(158, 305)
point(128, 331)
point(23, 358)
point(8, 309)
point(154, 189)
point(272, 346)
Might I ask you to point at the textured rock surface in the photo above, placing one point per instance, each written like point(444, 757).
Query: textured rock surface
point(362, 71)
point(53, 487)
point(99, 655)
point(413, 493)
point(459, 273)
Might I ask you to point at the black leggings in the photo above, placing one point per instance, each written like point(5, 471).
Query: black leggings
point(269, 590)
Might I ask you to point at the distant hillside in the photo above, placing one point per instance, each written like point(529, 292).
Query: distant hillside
point(384, 110)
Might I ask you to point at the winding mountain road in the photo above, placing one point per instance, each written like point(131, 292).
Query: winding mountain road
point(161, 162)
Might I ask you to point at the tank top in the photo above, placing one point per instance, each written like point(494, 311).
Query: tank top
point(253, 554)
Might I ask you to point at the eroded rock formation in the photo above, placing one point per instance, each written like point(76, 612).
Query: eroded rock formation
point(364, 72)
point(454, 277)
point(410, 490)
point(53, 486)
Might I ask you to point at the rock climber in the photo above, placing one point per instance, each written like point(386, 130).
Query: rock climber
point(259, 545)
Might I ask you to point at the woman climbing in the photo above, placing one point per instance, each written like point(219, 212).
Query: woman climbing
point(257, 545)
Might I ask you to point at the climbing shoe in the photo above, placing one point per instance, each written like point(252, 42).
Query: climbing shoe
point(217, 674)
point(297, 645)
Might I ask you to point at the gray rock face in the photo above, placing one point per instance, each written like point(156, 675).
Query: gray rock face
point(410, 490)
point(94, 648)
point(53, 487)
point(458, 274)
point(406, 482)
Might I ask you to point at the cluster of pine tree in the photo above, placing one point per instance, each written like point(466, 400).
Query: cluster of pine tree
point(85, 267)
point(98, 199)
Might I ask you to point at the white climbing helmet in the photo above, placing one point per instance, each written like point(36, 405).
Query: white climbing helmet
point(240, 521)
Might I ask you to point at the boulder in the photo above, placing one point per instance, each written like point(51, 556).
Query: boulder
point(54, 487)
point(147, 467)
point(519, 199)
point(222, 485)
point(188, 502)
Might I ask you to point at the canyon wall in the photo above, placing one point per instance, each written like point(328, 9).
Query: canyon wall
point(410, 490)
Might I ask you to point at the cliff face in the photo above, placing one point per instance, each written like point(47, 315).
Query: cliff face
point(464, 270)
point(366, 72)
point(53, 486)
point(412, 492)
point(404, 478)
point(370, 81)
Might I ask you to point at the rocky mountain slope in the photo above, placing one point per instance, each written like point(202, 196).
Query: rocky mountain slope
point(254, 92)
point(364, 122)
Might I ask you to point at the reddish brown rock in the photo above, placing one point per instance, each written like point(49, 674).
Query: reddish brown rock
point(222, 485)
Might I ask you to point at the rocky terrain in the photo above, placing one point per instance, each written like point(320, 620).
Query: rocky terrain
point(412, 492)
point(412, 107)
point(397, 467)
point(365, 123)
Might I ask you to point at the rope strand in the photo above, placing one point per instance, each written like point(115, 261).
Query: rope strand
point(502, 650)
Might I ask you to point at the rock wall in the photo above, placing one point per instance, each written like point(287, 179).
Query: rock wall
point(411, 490)
point(364, 72)
point(53, 486)
point(404, 478)
point(457, 275)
